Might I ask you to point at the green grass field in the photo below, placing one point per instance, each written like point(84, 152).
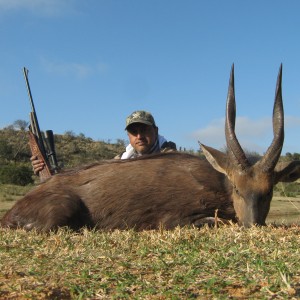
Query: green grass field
point(226, 262)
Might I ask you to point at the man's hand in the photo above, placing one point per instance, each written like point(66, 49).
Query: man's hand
point(37, 165)
point(168, 146)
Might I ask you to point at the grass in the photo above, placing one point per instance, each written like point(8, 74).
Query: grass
point(228, 262)
point(185, 263)
point(9, 194)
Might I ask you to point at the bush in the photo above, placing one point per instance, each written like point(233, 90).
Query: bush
point(6, 150)
point(13, 174)
point(288, 189)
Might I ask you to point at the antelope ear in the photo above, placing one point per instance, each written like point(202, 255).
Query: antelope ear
point(216, 158)
point(287, 171)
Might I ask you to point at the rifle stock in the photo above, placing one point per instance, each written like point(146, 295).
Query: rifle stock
point(36, 140)
point(36, 151)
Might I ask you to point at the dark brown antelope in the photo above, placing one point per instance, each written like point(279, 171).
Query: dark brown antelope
point(169, 190)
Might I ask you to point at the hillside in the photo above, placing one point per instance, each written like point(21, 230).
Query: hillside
point(71, 149)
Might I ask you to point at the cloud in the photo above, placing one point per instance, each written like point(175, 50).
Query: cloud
point(245, 129)
point(250, 133)
point(102, 67)
point(79, 70)
point(44, 7)
point(291, 122)
point(212, 134)
point(253, 135)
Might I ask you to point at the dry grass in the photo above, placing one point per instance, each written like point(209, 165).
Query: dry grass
point(284, 210)
point(9, 194)
point(185, 263)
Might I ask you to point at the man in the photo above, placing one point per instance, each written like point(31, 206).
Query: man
point(143, 137)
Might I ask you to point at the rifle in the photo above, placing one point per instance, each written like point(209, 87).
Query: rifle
point(38, 139)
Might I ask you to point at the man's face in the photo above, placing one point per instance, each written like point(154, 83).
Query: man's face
point(141, 136)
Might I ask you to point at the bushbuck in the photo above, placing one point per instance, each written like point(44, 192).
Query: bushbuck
point(167, 189)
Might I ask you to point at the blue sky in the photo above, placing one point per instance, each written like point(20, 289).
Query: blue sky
point(91, 63)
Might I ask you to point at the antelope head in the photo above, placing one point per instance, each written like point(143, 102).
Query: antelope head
point(252, 183)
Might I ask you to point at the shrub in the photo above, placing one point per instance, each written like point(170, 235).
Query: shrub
point(13, 174)
point(6, 150)
point(289, 189)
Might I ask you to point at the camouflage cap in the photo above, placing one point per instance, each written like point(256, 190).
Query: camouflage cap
point(140, 116)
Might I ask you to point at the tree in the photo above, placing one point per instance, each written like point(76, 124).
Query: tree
point(20, 124)
point(121, 143)
point(13, 174)
point(6, 151)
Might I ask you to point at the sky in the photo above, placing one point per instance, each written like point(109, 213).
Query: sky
point(91, 63)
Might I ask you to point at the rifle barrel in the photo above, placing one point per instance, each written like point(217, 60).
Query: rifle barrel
point(25, 71)
point(35, 128)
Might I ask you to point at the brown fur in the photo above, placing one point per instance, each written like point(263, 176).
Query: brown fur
point(167, 189)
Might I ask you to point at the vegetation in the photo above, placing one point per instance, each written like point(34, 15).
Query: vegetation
point(71, 149)
point(9, 193)
point(291, 189)
point(185, 263)
point(14, 174)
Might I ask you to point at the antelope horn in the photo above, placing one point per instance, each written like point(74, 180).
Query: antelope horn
point(235, 151)
point(269, 160)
